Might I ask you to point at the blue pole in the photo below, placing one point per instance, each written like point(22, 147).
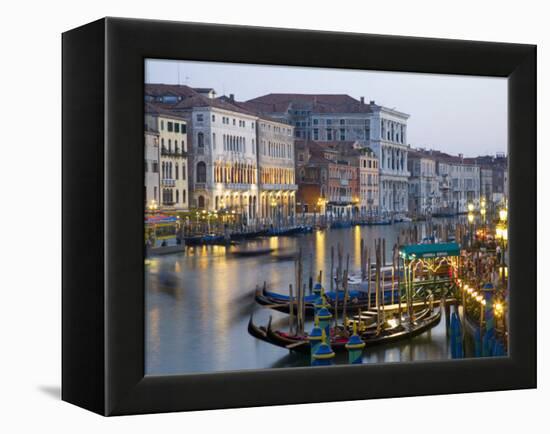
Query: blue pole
point(323, 355)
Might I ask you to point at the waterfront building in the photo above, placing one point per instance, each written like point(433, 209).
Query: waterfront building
point(151, 165)
point(328, 181)
point(223, 156)
point(425, 193)
point(277, 184)
point(388, 139)
point(172, 136)
point(368, 183)
point(328, 118)
point(493, 177)
point(463, 178)
point(365, 192)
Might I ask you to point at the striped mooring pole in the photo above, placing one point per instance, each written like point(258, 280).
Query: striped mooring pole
point(324, 317)
point(315, 339)
point(317, 289)
point(355, 346)
point(324, 354)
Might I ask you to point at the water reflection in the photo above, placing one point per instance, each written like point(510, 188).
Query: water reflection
point(199, 302)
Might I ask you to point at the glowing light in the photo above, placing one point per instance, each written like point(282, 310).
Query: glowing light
point(503, 214)
point(470, 207)
point(392, 322)
point(470, 217)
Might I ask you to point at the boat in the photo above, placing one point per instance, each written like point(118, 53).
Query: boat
point(402, 219)
point(340, 224)
point(210, 239)
point(358, 299)
point(294, 230)
point(381, 222)
point(425, 320)
point(251, 252)
point(236, 236)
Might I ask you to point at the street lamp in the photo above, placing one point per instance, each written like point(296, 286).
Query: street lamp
point(153, 206)
point(501, 234)
point(503, 215)
point(471, 221)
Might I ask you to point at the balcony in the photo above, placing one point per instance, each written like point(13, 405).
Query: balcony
point(238, 186)
point(178, 153)
point(276, 187)
point(168, 182)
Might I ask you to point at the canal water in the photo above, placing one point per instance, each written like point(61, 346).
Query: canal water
point(198, 304)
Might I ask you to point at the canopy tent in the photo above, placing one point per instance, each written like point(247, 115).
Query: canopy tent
point(426, 251)
point(159, 219)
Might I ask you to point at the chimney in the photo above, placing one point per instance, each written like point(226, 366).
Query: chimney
point(232, 97)
point(362, 100)
point(371, 102)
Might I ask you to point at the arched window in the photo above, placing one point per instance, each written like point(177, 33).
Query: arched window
point(177, 195)
point(201, 201)
point(201, 171)
point(177, 171)
point(200, 140)
point(183, 196)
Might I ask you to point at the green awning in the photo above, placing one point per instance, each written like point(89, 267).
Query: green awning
point(425, 251)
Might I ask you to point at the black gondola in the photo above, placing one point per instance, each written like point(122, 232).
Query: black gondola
point(426, 320)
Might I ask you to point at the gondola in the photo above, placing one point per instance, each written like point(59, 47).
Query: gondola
point(295, 230)
point(426, 319)
point(251, 252)
point(281, 302)
point(340, 225)
point(200, 240)
point(248, 235)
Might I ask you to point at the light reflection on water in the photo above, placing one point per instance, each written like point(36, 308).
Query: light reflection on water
point(198, 304)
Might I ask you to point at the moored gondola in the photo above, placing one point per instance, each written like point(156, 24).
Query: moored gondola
point(281, 302)
point(358, 299)
point(425, 320)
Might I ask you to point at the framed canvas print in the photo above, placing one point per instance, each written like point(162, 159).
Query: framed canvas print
point(258, 216)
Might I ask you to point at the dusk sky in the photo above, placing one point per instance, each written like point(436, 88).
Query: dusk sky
point(454, 114)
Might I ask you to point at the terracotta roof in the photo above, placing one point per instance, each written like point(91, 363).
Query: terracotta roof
point(160, 89)
point(161, 110)
point(204, 89)
point(316, 103)
point(199, 100)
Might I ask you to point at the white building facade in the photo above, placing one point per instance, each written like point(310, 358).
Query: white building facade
point(388, 139)
point(172, 137)
point(223, 155)
point(424, 185)
point(277, 183)
point(152, 172)
point(463, 181)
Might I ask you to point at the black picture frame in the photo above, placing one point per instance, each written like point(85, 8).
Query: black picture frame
point(103, 279)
